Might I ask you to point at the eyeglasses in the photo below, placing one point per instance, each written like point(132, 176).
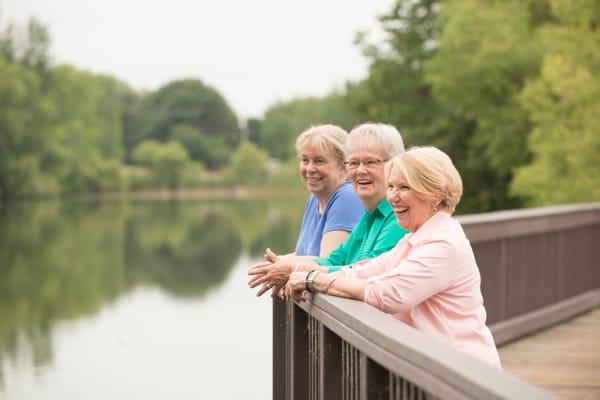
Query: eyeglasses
point(369, 163)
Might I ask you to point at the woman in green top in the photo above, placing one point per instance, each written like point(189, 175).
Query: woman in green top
point(369, 147)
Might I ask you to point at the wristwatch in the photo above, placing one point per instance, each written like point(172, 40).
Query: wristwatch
point(310, 279)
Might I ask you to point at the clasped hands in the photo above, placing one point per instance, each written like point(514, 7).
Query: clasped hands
point(277, 273)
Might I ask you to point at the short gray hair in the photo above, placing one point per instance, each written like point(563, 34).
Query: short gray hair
point(380, 138)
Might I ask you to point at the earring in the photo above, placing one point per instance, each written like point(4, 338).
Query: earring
point(434, 210)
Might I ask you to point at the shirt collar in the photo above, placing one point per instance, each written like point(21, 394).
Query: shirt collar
point(430, 226)
point(382, 208)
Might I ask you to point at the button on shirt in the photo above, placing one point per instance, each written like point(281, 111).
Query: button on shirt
point(376, 232)
point(431, 282)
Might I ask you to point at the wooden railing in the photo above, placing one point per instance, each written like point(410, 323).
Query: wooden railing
point(538, 267)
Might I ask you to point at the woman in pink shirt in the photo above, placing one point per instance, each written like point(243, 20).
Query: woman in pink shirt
point(430, 280)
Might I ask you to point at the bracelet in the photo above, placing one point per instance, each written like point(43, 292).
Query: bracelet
point(330, 282)
point(310, 279)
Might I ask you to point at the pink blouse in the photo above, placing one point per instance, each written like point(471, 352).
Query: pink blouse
point(431, 282)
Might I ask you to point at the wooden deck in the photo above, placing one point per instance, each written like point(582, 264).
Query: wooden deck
point(564, 359)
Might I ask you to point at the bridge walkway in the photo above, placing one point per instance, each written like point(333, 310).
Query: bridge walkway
point(563, 359)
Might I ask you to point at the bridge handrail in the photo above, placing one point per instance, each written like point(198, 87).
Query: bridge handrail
point(426, 362)
point(538, 267)
point(513, 223)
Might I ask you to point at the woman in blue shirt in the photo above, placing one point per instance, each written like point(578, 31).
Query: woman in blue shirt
point(333, 208)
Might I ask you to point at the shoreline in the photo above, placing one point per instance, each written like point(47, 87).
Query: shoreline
point(233, 193)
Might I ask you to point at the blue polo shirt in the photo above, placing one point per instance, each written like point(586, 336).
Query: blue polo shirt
point(342, 212)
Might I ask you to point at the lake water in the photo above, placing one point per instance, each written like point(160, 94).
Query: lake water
point(137, 300)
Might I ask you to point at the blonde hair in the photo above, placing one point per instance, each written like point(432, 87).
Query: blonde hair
point(431, 174)
point(380, 138)
point(329, 139)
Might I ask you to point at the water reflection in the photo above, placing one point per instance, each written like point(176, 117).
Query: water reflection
point(66, 260)
point(182, 249)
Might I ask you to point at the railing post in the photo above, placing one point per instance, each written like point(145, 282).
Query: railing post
point(330, 374)
point(374, 380)
point(298, 351)
point(279, 349)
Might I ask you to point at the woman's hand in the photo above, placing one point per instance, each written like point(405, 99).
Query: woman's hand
point(258, 270)
point(295, 286)
point(270, 275)
point(271, 256)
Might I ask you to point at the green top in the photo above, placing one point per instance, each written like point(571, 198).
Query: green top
point(375, 233)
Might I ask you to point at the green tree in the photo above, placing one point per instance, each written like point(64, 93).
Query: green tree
point(87, 129)
point(564, 104)
point(283, 122)
point(60, 128)
point(253, 129)
point(214, 152)
point(190, 138)
point(395, 90)
point(167, 161)
point(485, 55)
point(449, 74)
point(248, 165)
point(129, 101)
point(26, 133)
point(35, 51)
point(192, 104)
point(30, 49)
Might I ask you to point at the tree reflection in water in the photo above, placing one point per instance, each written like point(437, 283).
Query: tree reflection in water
point(65, 260)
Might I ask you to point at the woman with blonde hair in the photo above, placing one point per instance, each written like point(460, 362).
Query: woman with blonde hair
point(333, 208)
point(430, 280)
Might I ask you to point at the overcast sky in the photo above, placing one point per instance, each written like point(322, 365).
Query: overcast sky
point(254, 52)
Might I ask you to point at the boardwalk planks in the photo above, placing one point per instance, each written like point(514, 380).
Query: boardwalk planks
point(564, 359)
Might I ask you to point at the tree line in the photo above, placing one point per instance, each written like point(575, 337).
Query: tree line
point(509, 89)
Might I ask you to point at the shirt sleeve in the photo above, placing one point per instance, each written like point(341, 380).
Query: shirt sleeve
point(373, 267)
point(388, 237)
point(336, 258)
point(428, 270)
point(344, 211)
point(302, 244)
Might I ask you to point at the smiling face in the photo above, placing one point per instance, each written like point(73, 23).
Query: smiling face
point(321, 172)
point(411, 211)
point(368, 178)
